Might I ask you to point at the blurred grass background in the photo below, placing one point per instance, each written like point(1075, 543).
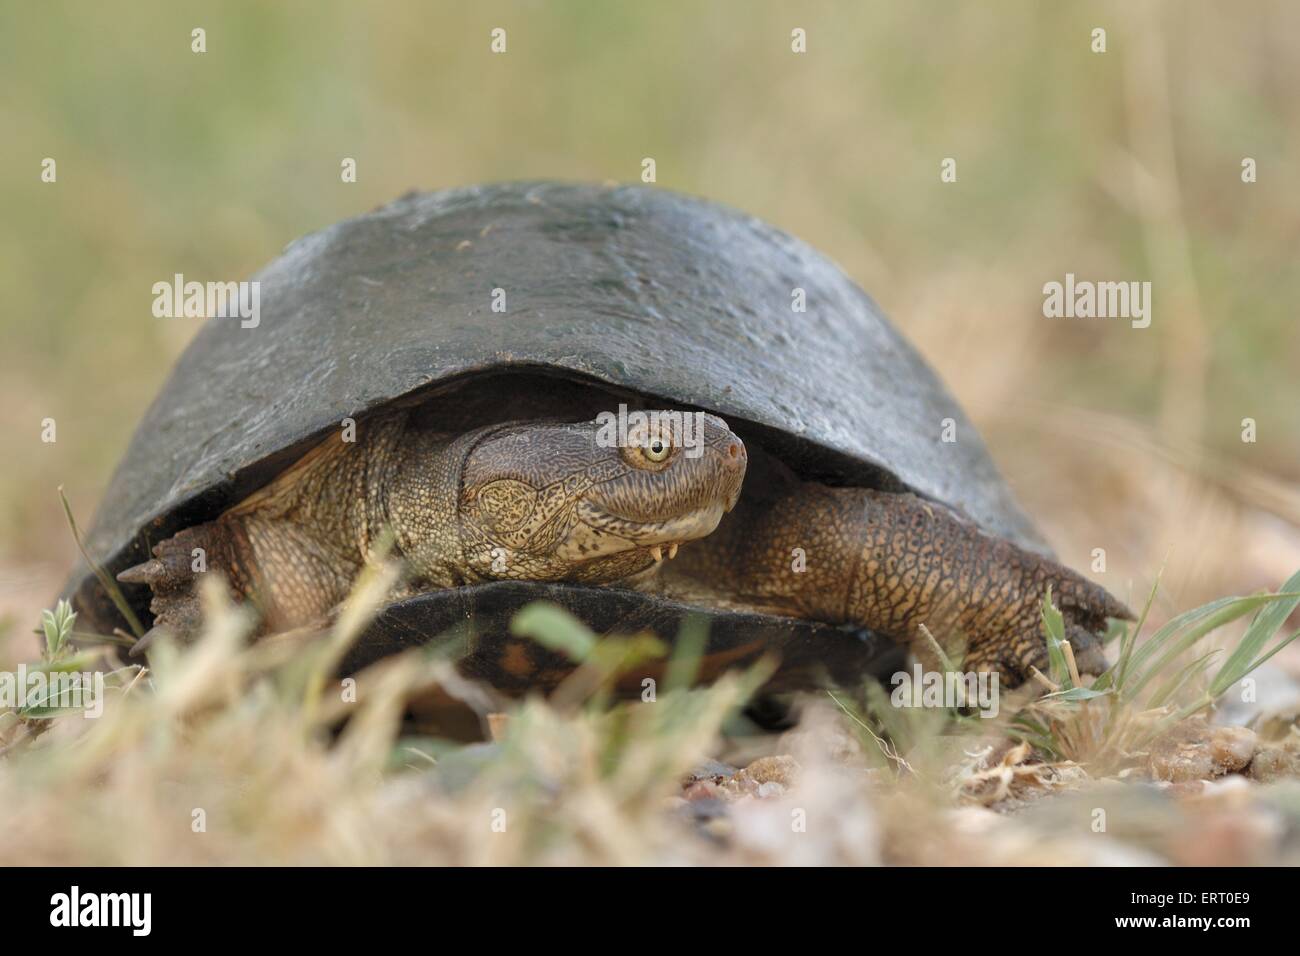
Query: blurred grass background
point(1117, 166)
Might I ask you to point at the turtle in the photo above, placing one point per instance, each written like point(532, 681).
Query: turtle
point(646, 407)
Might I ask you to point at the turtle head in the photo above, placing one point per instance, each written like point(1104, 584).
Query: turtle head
point(598, 500)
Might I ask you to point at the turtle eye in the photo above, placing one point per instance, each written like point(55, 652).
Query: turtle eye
point(656, 449)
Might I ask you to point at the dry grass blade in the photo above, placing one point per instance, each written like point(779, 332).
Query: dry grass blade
point(106, 581)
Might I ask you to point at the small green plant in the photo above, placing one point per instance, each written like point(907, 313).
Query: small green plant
point(1152, 686)
point(57, 627)
point(57, 684)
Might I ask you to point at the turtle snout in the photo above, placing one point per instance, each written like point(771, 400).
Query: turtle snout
point(735, 457)
point(732, 462)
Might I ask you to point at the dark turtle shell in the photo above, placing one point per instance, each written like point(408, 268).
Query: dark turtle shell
point(637, 289)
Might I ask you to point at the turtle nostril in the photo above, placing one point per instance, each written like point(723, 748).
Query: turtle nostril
point(734, 459)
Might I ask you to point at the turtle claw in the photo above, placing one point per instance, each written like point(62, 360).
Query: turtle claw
point(148, 572)
point(172, 577)
point(145, 642)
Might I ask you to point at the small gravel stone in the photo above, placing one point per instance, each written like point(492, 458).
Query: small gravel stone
point(1276, 762)
point(713, 770)
point(702, 790)
point(1202, 752)
point(780, 769)
point(1277, 725)
point(1182, 765)
point(1232, 748)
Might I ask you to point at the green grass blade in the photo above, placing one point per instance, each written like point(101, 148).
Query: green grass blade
point(1170, 689)
point(1267, 622)
point(1054, 631)
point(556, 629)
point(684, 664)
point(1233, 608)
point(1280, 645)
point(1129, 641)
point(1174, 644)
point(1075, 693)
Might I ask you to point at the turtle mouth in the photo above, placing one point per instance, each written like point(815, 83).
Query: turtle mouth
point(599, 533)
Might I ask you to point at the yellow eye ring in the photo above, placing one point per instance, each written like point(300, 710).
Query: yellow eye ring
point(656, 450)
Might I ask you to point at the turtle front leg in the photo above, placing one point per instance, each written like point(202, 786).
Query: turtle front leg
point(172, 574)
point(895, 562)
point(278, 567)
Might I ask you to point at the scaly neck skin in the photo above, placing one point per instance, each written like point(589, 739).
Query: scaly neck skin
point(337, 504)
point(421, 490)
